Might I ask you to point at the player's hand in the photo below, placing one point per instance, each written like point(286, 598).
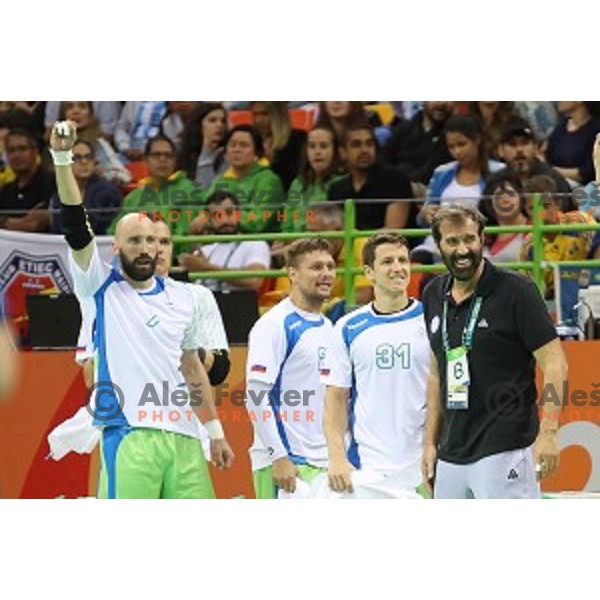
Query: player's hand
point(428, 466)
point(340, 475)
point(545, 451)
point(63, 135)
point(193, 262)
point(221, 454)
point(284, 474)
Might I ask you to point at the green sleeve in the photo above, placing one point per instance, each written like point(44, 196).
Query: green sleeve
point(268, 191)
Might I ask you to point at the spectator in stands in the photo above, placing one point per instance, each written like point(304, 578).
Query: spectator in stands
point(10, 118)
point(520, 151)
point(106, 114)
point(542, 115)
point(203, 152)
point(283, 144)
point(493, 117)
point(369, 180)
point(108, 164)
point(319, 169)
point(167, 194)
point(338, 115)
point(418, 146)
point(591, 195)
point(464, 178)
point(259, 190)
point(571, 144)
point(139, 122)
point(176, 119)
point(224, 211)
point(29, 194)
point(101, 198)
point(330, 217)
point(504, 204)
point(568, 245)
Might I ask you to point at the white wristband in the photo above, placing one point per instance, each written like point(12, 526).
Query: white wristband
point(214, 429)
point(62, 158)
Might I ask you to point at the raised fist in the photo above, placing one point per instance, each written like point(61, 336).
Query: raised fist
point(63, 135)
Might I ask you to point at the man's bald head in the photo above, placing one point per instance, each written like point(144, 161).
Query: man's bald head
point(136, 244)
point(133, 223)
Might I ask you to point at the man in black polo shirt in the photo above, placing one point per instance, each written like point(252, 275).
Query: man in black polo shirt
point(28, 196)
point(487, 329)
point(369, 180)
point(418, 146)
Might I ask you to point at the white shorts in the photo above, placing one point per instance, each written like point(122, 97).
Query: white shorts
point(508, 475)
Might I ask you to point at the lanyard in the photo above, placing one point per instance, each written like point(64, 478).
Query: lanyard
point(225, 265)
point(467, 335)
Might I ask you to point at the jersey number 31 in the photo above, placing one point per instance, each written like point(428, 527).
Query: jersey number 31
point(387, 356)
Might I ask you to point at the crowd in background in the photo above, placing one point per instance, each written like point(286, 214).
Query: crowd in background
point(229, 167)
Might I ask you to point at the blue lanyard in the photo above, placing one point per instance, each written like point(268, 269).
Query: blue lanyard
point(467, 335)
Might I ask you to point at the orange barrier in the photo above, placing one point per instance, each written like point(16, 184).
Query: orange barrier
point(51, 390)
point(301, 119)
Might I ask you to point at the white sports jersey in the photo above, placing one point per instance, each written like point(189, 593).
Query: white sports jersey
point(211, 328)
point(384, 360)
point(138, 341)
point(235, 255)
point(285, 351)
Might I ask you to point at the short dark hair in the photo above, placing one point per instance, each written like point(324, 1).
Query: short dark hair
point(358, 124)
point(22, 132)
point(301, 247)
point(383, 237)
point(257, 140)
point(456, 214)
point(220, 196)
point(159, 138)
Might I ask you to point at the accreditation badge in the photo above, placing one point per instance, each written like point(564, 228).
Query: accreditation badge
point(457, 379)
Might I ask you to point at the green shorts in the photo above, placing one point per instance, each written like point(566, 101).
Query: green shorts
point(263, 480)
point(152, 464)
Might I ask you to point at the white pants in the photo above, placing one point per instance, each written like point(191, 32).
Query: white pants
point(506, 475)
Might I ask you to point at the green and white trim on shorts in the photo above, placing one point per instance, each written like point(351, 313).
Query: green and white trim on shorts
point(264, 488)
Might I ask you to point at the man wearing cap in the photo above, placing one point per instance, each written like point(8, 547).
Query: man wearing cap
point(520, 151)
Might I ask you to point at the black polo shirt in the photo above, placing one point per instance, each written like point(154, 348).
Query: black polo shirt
point(382, 182)
point(38, 190)
point(513, 322)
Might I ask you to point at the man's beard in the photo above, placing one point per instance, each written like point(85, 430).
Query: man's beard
point(522, 167)
point(134, 271)
point(463, 273)
point(227, 230)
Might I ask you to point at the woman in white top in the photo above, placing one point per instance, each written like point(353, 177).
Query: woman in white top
point(460, 181)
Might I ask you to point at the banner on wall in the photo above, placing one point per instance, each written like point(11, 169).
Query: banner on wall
point(36, 263)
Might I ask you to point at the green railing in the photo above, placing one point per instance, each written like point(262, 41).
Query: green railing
point(349, 272)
